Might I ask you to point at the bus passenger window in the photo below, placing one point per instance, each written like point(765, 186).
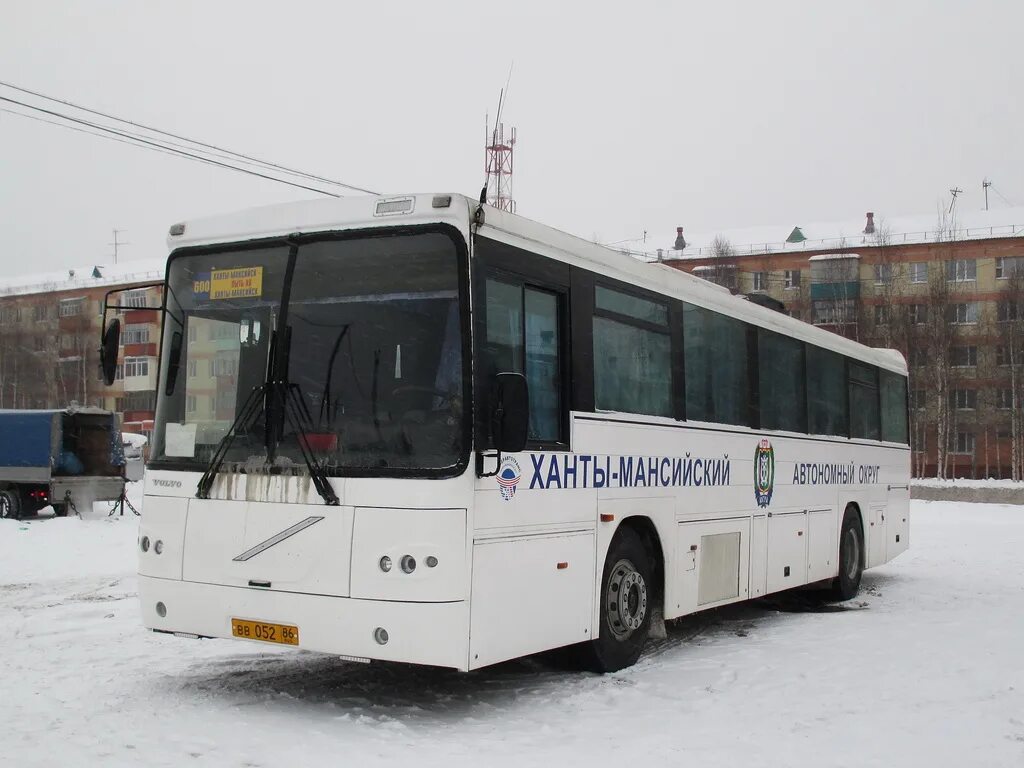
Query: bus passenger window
point(894, 407)
point(780, 366)
point(632, 354)
point(864, 401)
point(523, 335)
point(826, 393)
point(715, 352)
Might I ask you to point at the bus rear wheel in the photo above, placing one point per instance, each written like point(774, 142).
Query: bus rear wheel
point(851, 557)
point(626, 606)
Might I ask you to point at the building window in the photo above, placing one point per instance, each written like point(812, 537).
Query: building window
point(918, 314)
point(136, 334)
point(961, 270)
point(760, 281)
point(918, 271)
point(963, 356)
point(10, 315)
point(918, 399)
point(137, 299)
point(70, 307)
point(834, 312)
point(964, 313)
point(792, 279)
point(193, 332)
point(192, 369)
point(881, 314)
point(190, 403)
point(136, 366)
point(883, 274)
point(963, 399)
point(1004, 399)
point(118, 376)
point(139, 401)
point(40, 312)
point(1006, 267)
point(1007, 311)
point(964, 443)
point(226, 364)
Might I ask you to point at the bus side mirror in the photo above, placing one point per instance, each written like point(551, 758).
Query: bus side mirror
point(108, 351)
point(510, 418)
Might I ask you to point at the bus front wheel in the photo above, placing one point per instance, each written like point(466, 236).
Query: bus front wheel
point(627, 600)
point(851, 557)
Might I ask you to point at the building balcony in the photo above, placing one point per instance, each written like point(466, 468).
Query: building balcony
point(839, 291)
point(147, 349)
point(141, 316)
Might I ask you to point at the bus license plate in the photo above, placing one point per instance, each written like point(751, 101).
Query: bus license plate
point(268, 633)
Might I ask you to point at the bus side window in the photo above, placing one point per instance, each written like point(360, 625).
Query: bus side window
point(864, 410)
point(523, 335)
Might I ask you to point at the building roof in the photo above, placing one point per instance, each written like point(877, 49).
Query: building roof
point(88, 276)
point(848, 234)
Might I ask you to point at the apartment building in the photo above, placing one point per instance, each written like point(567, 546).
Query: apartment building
point(50, 328)
point(945, 289)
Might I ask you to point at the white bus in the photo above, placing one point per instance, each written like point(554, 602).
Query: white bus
point(423, 430)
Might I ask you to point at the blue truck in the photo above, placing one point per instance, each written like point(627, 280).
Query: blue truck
point(61, 458)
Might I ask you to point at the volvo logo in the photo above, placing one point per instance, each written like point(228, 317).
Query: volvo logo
point(167, 483)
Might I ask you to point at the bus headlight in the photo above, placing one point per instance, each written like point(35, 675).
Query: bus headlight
point(158, 546)
point(144, 543)
point(385, 563)
point(408, 563)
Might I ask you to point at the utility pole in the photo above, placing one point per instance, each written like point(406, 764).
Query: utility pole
point(117, 243)
point(985, 184)
point(954, 192)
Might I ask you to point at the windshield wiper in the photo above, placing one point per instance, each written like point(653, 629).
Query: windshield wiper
point(247, 414)
point(297, 415)
point(301, 421)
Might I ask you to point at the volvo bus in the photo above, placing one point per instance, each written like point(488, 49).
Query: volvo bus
point(420, 429)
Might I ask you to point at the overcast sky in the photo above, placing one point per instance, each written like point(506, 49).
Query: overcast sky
point(631, 116)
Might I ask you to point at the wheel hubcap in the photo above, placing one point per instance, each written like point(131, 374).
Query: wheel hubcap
point(851, 553)
point(627, 599)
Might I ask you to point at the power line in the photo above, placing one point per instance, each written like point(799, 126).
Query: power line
point(147, 143)
point(237, 155)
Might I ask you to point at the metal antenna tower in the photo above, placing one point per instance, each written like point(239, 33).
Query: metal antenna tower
point(498, 162)
point(985, 184)
point(117, 243)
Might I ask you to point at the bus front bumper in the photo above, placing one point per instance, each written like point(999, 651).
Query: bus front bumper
point(419, 633)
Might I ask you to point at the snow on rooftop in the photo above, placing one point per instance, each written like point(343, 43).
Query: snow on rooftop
point(88, 276)
point(847, 233)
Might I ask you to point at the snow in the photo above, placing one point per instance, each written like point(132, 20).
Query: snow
point(81, 277)
point(849, 233)
point(962, 482)
point(923, 669)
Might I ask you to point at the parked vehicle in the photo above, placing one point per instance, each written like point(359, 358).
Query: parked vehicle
point(64, 458)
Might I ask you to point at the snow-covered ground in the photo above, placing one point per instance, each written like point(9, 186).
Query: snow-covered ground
point(924, 669)
point(962, 482)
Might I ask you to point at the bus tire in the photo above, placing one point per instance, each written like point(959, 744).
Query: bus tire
point(627, 601)
point(10, 504)
point(851, 557)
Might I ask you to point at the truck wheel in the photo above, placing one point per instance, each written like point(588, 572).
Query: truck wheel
point(626, 606)
point(851, 557)
point(10, 505)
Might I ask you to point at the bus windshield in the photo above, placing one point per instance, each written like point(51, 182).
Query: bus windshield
point(372, 335)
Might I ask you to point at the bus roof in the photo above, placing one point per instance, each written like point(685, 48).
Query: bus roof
point(365, 211)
